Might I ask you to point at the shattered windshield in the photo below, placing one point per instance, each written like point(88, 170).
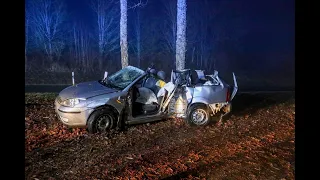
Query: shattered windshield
point(123, 78)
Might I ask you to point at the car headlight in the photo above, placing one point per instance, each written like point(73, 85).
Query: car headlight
point(71, 102)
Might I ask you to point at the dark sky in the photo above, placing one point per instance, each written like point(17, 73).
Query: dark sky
point(81, 10)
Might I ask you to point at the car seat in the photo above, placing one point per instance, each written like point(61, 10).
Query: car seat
point(196, 80)
point(151, 83)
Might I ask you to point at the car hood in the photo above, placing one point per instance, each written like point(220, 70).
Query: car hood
point(85, 90)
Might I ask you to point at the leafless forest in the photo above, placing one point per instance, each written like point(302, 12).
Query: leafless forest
point(217, 36)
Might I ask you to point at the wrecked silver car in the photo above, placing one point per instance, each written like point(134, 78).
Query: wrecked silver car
point(132, 96)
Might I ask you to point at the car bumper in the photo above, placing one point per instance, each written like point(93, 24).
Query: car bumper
point(72, 117)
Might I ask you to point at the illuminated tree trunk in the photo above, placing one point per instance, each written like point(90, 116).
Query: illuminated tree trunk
point(181, 34)
point(123, 34)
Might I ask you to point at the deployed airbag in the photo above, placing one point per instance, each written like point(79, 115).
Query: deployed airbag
point(146, 96)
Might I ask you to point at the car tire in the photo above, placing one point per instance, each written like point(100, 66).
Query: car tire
point(102, 120)
point(198, 115)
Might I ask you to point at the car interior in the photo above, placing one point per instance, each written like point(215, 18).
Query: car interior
point(149, 82)
point(192, 78)
point(197, 78)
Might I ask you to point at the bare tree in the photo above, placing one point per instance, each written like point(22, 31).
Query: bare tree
point(137, 45)
point(81, 43)
point(208, 35)
point(46, 19)
point(169, 31)
point(137, 32)
point(107, 27)
point(181, 34)
point(123, 29)
point(123, 34)
point(75, 45)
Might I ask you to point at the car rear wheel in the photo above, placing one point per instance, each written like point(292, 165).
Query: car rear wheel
point(101, 121)
point(198, 115)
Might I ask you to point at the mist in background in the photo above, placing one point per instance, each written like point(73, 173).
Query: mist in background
point(254, 39)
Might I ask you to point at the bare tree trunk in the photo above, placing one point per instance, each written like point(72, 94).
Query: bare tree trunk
point(80, 46)
point(101, 41)
point(83, 50)
point(75, 37)
point(194, 48)
point(99, 8)
point(201, 55)
point(86, 49)
point(138, 35)
point(139, 55)
point(197, 54)
point(123, 34)
point(50, 51)
point(181, 34)
point(100, 59)
point(201, 58)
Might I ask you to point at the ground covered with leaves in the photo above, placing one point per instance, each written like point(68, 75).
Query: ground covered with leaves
point(256, 141)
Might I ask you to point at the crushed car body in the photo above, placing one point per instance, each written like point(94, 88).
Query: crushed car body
point(133, 96)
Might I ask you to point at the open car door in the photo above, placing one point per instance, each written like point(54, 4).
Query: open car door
point(235, 87)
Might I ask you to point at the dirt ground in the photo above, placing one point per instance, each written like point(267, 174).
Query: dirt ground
point(256, 141)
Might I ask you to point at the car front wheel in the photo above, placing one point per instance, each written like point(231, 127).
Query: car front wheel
point(101, 121)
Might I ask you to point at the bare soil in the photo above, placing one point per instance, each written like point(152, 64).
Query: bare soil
point(255, 141)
